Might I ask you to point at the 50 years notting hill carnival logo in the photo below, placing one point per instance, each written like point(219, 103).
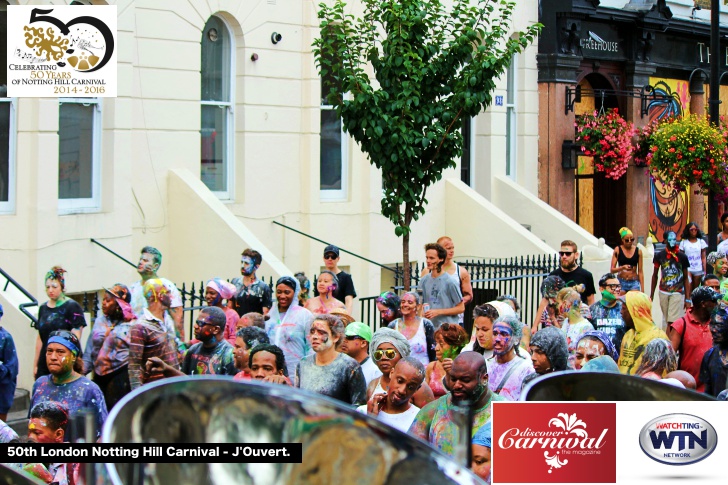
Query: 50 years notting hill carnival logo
point(562, 443)
point(61, 51)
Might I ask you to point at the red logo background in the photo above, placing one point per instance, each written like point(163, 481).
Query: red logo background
point(514, 465)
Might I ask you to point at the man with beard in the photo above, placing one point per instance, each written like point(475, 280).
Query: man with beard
point(212, 355)
point(394, 407)
point(573, 274)
point(253, 295)
point(714, 368)
point(507, 368)
point(467, 381)
point(674, 280)
point(149, 263)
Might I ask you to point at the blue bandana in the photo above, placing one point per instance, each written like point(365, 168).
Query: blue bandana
point(66, 343)
point(483, 435)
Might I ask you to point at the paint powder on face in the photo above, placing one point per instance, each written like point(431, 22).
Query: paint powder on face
point(502, 335)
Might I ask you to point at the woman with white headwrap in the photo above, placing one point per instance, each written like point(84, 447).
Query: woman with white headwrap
point(216, 291)
point(386, 349)
point(289, 323)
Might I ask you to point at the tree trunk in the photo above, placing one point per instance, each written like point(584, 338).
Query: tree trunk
point(406, 264)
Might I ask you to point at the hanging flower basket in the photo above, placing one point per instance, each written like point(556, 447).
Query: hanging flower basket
point(608, 138)
point(689, 150)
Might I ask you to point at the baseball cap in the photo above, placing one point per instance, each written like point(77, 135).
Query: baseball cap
point(705, 293)
point(331, 249)
point(359, 329)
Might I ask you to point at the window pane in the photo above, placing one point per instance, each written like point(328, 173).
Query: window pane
point(215, 63)
point(214, 147)
point(330, 150)
point(4, 149)
point(75, 151)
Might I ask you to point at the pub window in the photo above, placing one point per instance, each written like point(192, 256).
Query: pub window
point(216, 125)
point(79, 155)
point(511, 126)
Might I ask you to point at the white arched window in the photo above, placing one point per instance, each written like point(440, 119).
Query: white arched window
point(216, 124)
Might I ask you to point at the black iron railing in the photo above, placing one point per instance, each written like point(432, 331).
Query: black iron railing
point(23, 306)
point(113, 252)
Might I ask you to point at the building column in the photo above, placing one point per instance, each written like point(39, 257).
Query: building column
point(697, 106)
point(638, 181)
point(555, 185)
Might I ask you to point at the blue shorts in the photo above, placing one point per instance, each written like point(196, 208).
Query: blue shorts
point(629, 285)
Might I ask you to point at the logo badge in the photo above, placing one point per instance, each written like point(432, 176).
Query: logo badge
point(562, 443)
point(678, 439)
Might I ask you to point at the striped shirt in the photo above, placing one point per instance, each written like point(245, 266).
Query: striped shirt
point(148, 338)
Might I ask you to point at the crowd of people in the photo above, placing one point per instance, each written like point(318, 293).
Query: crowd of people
point(412, 373)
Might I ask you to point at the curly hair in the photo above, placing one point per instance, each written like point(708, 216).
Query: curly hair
point(441, 253)
point(686, 232)
point(56, 273)
point(658, 357)
point(273, 349)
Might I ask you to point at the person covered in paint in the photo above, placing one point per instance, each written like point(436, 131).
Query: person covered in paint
point(395, 407)
point(388, 305)
point(658, 360)
point(439, 290)
point(467, 381)
point(549, 353)
point(305, 287)
point(637, 315)
point(607, 312)
point(714, 366)
point(387, 348)
point(58, 313)
point(252, 319)
point(245, 341)
point(149, 262)
point(481, 340)
point(690, 335)
point(268, 364)
point(8, 370)
point(480, 452)
point(330, 372)
point(674, 280)
point(289, 323)
point(345, 290)
point(253, 294)
point(627, 263)
point(357, 337)
point(603, 363)
point(458, 273)
point(450, 340)
point(719, 263)
point(695, 248)
point(65, 384)
point(149, 338)
point(218, 290)
point(212, 355)
point(591, 345)
point(48, 424)
point(507, 368)
point(324, 302)
point(574, 325)
point(547, 314)
point(419, 332)
point(107, 348)
point(7, 434)
point(515, 305)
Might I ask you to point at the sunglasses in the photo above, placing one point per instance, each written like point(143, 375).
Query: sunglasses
point(629, 239)
point(387, 354)
point(353, 337)
point(202, 323)
point(566, 253)
point(330, 256)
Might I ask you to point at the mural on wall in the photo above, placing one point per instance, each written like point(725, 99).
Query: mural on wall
point(668, 207)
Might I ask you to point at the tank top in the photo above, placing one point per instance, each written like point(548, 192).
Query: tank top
point(622, 259)
point(438, 389)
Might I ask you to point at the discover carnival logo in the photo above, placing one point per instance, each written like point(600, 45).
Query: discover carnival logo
point(678, 439)
point(596, 43)
point(574, 444)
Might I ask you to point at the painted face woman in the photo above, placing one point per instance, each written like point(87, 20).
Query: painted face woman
point(245, 340)
point(719, 263)
point(627, 262)
point(289, 322)
point(386, 349)
point(218, 291)
point(107, 349)
point(388, 305)
point(574, 324)
point(58, 313)
point(449, 341)
point(547, 314)
point(330, 372)
point(419, 332)
point(65, 384)
point(592, 345)
point(325, 302)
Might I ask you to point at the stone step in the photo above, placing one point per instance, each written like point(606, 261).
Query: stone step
point(18, 414)
point(21, 401)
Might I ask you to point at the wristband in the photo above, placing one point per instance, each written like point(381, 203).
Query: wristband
point(688, 300)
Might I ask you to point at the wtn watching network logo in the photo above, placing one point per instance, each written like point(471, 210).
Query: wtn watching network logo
point(678, 439)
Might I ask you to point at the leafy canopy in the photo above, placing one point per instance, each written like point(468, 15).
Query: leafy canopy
point(434, 63)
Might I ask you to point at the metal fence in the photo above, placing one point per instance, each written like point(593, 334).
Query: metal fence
point(517, 276)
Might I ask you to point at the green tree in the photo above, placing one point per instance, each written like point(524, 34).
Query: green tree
point(434, 63)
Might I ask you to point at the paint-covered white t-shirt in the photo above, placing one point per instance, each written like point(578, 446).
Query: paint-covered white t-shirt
point(370, 370)
point(401, 421)
point(694, 253)
point(511, 388)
